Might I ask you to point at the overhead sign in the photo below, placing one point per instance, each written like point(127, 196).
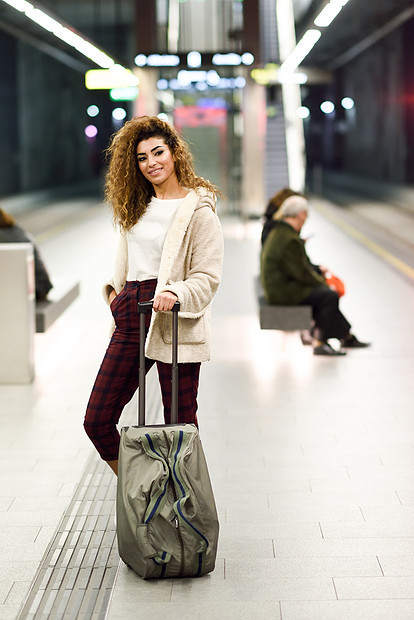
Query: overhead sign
point(115, 77)
point(266, 75)
point(124, 94)
point(194, 59)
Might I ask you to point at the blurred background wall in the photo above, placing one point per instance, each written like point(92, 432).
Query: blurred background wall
point(246, 132)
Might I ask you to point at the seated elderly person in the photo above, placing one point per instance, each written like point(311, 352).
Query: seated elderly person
point(289, 278)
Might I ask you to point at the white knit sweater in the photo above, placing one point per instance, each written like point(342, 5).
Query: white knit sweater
point(146, 239)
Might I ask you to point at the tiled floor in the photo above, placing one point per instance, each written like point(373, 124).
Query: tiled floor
point(311, 459)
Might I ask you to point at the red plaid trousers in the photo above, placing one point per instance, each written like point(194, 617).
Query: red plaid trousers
point(117, 379)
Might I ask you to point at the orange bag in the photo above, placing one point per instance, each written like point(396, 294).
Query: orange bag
point(335, 283)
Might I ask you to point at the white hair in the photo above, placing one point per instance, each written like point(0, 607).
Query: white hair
point(292, 206)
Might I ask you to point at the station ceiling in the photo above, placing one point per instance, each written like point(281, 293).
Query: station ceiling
point(110, 24)
point(358, 26)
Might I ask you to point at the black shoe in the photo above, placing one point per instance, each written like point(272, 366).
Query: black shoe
point(326, 349)
point(352, 342)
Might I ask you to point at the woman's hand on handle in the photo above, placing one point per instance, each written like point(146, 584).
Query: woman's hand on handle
point(164, 301)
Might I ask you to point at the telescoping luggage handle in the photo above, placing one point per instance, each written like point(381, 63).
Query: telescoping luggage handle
point(143, 308)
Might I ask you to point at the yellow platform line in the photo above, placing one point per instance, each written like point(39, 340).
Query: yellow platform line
point(371, 245)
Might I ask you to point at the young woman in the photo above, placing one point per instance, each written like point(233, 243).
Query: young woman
point(171, 247)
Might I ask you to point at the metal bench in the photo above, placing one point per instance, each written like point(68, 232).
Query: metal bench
point(283, 318)
point(59, 298)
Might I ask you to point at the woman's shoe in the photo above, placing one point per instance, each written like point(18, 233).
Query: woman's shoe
point(326, 349)
point(352, 342)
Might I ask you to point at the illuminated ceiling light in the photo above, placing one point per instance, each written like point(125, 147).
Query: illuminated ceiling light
point(303, 112)
point(329, 12)
point(140, 60)
point(247, 58)
point(292, 78)
point(302, 49)
point(129, 93)
point(240, 82)
point(115, 77)
point(312, 36)
point(86, 48)
point(118, 114)
point(41, 18)
point(185, 78)
point(19, 5)
point(194, 59)
point(201, 86)
point(92, 110)
point(327, 15)
point(327, 107)
point(163, 60)
point(162, 84)
point(348, 103)
point(221, 83)
point(213, 78)
point(266, 75)
point(91, 131)
point(157, 60)
point(230, 59)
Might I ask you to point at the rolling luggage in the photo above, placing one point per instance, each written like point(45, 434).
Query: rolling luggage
point(167, 524)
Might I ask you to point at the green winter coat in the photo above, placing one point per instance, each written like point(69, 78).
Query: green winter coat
point(287, 275)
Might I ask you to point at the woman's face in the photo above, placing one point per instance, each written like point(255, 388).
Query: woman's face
point(155, 161)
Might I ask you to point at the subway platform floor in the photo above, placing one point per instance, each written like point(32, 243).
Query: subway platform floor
point(311, 459)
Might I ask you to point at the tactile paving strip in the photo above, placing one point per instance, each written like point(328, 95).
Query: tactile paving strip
point(77, 574)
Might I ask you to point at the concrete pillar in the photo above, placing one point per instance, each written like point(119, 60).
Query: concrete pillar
point(146, 103)
point(17, 313)
point(291, 95)
point(254, 147)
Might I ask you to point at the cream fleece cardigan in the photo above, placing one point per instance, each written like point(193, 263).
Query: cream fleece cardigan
point(191, 265)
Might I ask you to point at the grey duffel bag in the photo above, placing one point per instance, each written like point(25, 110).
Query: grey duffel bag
point(167, 524)
point(166, 515)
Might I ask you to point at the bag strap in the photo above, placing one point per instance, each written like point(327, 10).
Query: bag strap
point(143, 308)
point(183, 506)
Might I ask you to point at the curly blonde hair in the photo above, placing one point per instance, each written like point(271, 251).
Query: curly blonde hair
point(126, 188)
